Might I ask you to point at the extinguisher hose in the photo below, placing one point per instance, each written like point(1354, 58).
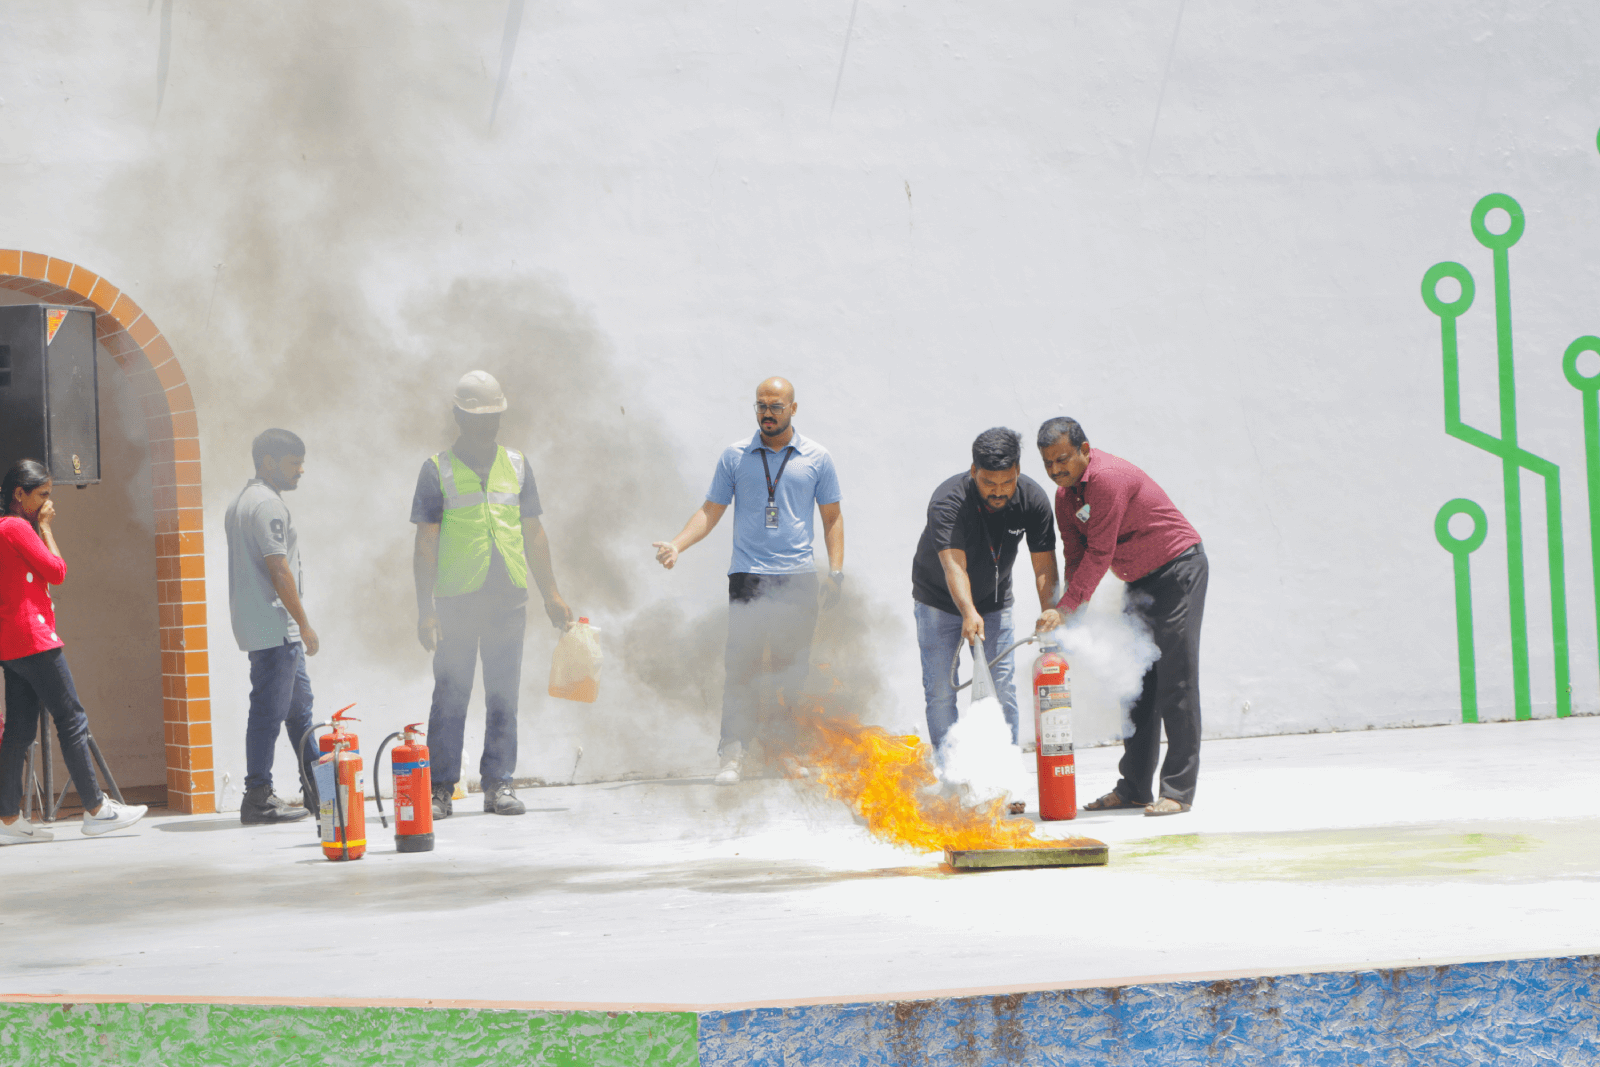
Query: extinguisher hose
point(956, 662)
point(377, 783)
point(308, 787)
point(340, 828)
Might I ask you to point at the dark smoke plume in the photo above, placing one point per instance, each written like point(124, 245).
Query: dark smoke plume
point(317, 220)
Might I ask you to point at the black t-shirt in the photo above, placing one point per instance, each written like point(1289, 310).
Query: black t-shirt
point(957, 518)
point(427, 505)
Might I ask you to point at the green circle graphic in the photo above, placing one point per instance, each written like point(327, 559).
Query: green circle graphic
point(1569, 363)
point(1430, 284)
point(1441, 526)
point(1497, 240)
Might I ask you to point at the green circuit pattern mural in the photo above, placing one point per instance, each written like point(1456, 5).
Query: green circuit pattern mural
point(1514, 459)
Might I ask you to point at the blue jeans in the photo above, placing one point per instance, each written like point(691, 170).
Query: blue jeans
point(939, 635)
point(280, 699)
point(35, 684)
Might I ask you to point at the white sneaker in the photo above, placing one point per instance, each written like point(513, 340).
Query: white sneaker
point(23, 831)
point(113, 816)
point(729, 775)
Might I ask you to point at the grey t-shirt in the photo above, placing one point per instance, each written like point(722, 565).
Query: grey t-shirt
point(258, 526)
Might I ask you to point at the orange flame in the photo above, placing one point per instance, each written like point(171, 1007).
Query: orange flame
point(887, 781)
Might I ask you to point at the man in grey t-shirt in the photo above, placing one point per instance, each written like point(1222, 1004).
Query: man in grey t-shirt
point(269, 622)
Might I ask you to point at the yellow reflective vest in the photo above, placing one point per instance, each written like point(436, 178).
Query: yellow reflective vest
point(475, 515)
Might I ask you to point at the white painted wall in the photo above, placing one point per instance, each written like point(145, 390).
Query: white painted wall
point(1200, 228)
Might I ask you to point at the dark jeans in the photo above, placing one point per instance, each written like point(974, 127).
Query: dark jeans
point(470, 624)
point(1172, 599)
point(771, 618)
point(43, 682)
point(280, 699)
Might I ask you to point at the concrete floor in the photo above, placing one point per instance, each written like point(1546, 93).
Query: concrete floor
point(1303, 853)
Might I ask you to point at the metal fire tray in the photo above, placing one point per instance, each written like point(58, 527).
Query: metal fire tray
point(1082, 853)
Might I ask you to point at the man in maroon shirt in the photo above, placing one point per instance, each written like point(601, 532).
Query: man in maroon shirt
point(1112, 515)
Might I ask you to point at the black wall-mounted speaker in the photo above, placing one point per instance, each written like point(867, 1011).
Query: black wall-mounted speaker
point(49, 391)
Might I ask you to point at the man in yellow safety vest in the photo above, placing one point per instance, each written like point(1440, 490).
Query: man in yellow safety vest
point(479, 539)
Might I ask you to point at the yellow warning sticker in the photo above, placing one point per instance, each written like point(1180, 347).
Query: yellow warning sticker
point(55, 318)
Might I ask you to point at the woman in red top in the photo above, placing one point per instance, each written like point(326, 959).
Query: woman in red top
point(34, 664)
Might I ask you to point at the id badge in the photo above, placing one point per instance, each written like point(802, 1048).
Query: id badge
point(772, 516)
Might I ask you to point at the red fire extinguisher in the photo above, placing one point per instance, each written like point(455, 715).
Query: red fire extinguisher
point(1052, 721)
point(342, 790)
point(413, 790)
point(325, 742)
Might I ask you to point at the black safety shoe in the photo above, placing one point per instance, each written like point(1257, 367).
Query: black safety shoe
point(261, 806)
point(442, 807)
point(498, 798)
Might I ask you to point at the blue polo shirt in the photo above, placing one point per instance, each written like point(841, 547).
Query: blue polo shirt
point(808, 480)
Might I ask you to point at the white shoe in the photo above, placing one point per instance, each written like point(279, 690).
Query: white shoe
point(113, 816)
point(22, 831)
point(729, 775)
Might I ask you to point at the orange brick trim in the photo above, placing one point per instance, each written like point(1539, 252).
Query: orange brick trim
point(147, 359)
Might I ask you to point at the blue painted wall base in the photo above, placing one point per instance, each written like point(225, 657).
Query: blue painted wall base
point(1539, 1011)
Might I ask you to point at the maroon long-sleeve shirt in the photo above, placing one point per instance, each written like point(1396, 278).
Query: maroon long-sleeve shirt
point(1116, 517)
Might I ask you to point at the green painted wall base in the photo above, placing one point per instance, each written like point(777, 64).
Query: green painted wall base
point(221, 1035)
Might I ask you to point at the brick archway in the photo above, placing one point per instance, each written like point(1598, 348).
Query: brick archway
point(145, 357)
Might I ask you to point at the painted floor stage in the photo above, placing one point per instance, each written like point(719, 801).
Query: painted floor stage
point(1310, 853)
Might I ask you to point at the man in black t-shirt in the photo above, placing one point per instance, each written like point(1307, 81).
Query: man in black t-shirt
point(961, 577)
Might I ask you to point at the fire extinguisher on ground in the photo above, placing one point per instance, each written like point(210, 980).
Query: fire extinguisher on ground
point(1052, 719)
point(413, 790)
point(324, 746)
point(342, 790)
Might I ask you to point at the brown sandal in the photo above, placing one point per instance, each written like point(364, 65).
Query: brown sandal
point(1166, 806)
point(1110, 802)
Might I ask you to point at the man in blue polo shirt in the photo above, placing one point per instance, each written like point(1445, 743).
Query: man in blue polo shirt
point(774, 480)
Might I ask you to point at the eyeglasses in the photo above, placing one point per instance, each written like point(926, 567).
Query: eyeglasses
point(773, 409)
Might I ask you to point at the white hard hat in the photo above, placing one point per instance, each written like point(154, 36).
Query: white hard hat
point(477, 393)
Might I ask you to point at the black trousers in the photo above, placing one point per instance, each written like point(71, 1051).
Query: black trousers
point(470, 625)
point(771, 618)
point(1172, 600)
point(42, 682)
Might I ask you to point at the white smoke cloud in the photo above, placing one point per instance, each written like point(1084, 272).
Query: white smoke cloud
point(1109, 649)
point(977, 752)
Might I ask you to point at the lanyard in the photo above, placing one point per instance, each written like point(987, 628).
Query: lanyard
point(772, 483)
point(994, 553)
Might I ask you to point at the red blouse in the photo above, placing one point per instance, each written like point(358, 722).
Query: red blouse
point(27, 568)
